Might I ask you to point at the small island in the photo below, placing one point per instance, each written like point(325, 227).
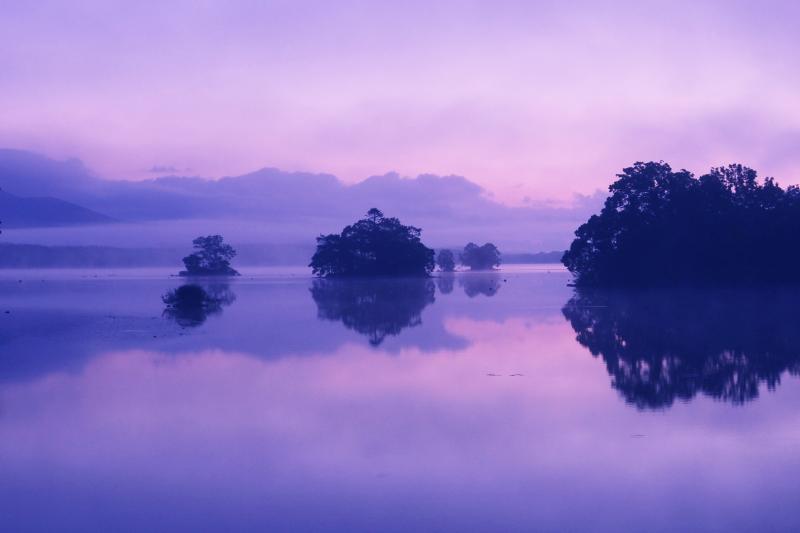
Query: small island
point(374, 246)
point(661, 227)
point(212, 258)
point(485, 257)
point(446, 260)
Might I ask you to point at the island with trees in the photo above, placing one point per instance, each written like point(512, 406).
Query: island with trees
point(661, 227)
point(485, 257)
point(373, 246)
point(446, 260)
point(211, 258)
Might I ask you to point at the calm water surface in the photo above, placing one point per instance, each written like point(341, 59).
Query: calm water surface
point(472, 402)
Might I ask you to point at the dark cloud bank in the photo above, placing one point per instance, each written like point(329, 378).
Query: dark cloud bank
point(49, 202)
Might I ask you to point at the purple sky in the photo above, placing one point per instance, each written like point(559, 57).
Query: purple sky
point(542, 99)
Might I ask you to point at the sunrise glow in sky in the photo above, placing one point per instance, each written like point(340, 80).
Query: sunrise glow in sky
point(526, 98)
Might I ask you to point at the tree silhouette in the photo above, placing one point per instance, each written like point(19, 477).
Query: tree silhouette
point(660, 227)
point(373, 246)
point(212, 258)
point(672, 344)
point(376, 308)
point(484, 257)
point(446, 261)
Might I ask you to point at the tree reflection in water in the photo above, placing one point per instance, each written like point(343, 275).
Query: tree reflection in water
point(376, 308)
point(479, 283)
point(445, 282)
point(660, 346)
point(191, 304)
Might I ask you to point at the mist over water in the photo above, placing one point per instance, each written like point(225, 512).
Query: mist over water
point(483, 401)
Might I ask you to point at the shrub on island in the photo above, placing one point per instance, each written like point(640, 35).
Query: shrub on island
point(212, 258)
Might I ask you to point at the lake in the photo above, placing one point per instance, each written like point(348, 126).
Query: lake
point(501, 401)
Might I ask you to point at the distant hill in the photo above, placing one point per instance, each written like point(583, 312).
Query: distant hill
point(38, 256)
point(18, 212)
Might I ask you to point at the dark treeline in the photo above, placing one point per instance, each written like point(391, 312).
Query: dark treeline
point(665, 227)
point(40, 256)
point(37, 256)
point(663, 345)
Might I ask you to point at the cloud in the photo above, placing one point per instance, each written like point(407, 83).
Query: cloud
point(557, 96)
point(270, 205)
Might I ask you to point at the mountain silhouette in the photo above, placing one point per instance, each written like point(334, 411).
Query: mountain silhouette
point(18, 212)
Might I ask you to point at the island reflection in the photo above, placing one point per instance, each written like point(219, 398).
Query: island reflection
point(376, 308)
point(660, 346)
point(480, 283)
point(192, 303)
point(445, 282)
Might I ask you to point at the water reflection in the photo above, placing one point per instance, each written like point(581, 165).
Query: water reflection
point(661, 346)
point(445, 282)
point(121, 420)
point(375, 308)
point(191, 304)
point(480, 283)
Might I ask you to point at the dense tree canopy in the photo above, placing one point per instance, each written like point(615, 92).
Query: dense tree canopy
point(212, 258)
point(661, 227)
point(484, 257)
point(373, 246)
point(446, 260)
